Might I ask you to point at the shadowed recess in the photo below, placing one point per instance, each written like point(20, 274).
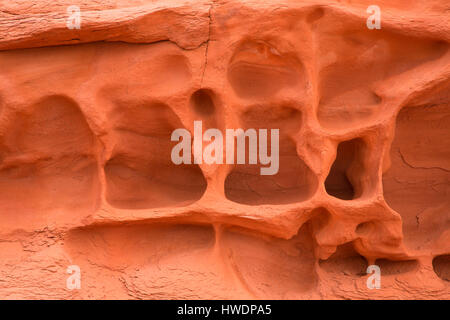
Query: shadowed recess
point(360, 60)
point(259, 70)
point(441, 266)
point(48, 163)
point(343, 181)
point(140, 173)
point(315, 15)
point(390, 267)
point(293, 182)
point(121, 246)
point(151, 261)
point(271, 267)
point(202, 101)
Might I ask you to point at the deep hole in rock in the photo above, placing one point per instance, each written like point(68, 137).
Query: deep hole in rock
point(441, 266)
point(346, 85)
point(342, 181)
point(294, 181)
point(258, 69)
point(365, 227)
point(140, 173)
point(202, 101)
point(48, 162)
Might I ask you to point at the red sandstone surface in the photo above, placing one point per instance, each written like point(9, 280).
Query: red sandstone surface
point(86, 176)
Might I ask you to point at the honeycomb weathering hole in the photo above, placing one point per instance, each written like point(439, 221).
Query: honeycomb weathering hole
point(420, 173)
point(117, 246)
point(343, 181)
point(48, 162)
point(271, 267)
point(172, 72)
point(202, 102)
point(365, 228)
point(206, 107)
point(258, 69)
point(140, 173)
point(390, 267)
point(359, 61)
point(441, 266)
point(294, 181)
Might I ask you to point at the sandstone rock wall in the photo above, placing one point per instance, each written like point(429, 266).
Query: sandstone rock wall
point(86, 177)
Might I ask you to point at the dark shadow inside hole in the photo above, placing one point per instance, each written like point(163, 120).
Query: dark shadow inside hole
point(441, 266)
point(315, 15)
point(339, 183)
point(390, 267)
point(365, 228)
point(202, 101)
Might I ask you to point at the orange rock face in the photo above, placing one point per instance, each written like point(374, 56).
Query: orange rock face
point(92, 205)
